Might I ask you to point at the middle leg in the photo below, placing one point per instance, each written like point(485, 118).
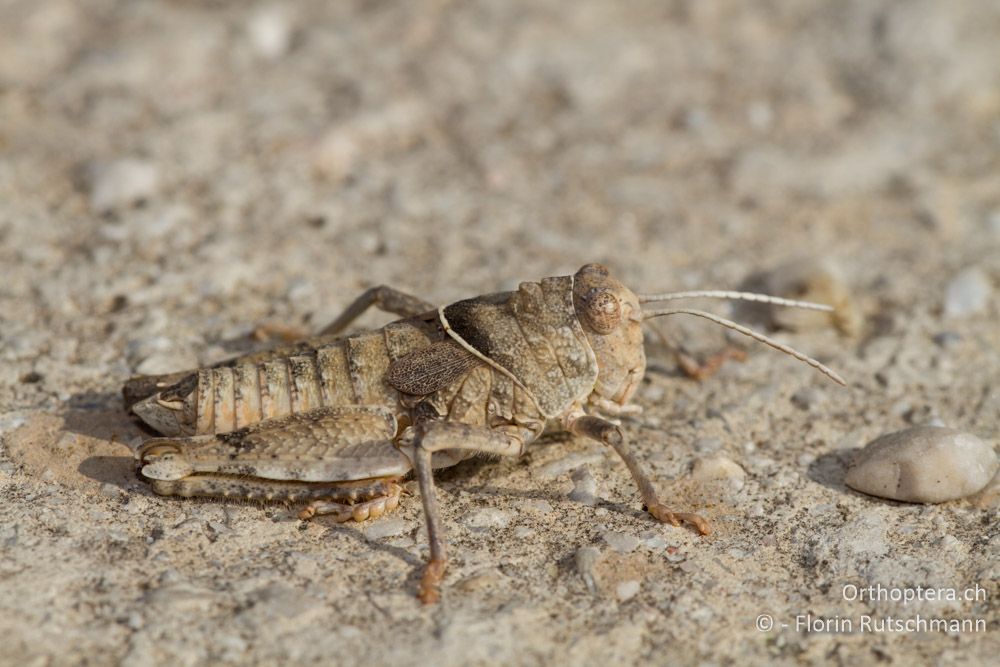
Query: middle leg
point(436, 436)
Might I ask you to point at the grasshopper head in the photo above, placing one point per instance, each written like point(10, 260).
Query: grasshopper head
point(612, 318)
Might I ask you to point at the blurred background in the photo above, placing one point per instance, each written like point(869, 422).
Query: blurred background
point(174, 173)
point(219, 163)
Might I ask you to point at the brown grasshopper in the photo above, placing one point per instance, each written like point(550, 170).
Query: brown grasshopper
point(334, 424)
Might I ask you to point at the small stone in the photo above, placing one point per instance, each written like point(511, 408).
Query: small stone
point(949, 542)
point(541, 506)
point(486, 518)
point(947, 339)
point(620, 542)
point(654, 542)
point(719, 468)
point(11, 422)
point(479, 581)
point(586, 558)
point(565, 464)
point(627, 590)
point(278, 601)
point(180, 598)
point(967, 294)
point(924, 464)
point(136, 504)
point(390, 527)
point(122, 183)
point(110, 490)
point(584, 487)
point(270, 33)
point(817, 281)
point(708, 445)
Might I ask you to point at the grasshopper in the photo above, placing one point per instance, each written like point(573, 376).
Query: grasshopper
point(334, 423)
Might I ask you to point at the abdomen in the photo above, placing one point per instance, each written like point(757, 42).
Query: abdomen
point(224, 398)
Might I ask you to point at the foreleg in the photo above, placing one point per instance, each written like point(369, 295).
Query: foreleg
point(612, 435)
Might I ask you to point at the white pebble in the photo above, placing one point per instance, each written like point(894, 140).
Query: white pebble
point(620, 542)
point(121, 183)
point(820, 281)
point(536, 505)
point(488, 517)
point(270, 32)
point(719, 468)
point(11, 422)
point(584, 487)
point(565, 464)
point(924, 464)
point(967, 293)
point(586, 559)
point(390, 527)
point(627, 590)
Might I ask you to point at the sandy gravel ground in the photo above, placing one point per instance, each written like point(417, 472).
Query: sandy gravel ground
point(173, 174)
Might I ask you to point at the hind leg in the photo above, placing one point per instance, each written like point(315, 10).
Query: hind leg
point(383, 297)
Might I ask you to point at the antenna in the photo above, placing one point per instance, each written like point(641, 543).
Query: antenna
point(737, 296)
point(729, 324)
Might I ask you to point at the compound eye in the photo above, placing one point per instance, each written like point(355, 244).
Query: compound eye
point(603, 311)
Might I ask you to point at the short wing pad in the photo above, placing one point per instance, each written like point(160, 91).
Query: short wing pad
point(429, 369)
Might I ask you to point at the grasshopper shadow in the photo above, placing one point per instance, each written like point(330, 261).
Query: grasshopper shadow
point(101, 418)
point(411, 559)
point(116, 470)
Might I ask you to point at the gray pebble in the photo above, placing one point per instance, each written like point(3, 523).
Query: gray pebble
point(707, 445)
point(121, 183)
point(820, 281)
point(627, 590)
point(584, 487)
point(486, 518)
point(11, 422)
point(564, 465)
point(270, 33)
point(389, 527)
point(719, 469)
point(110, 490)
point(586, 559)
point(620, 542)
point(947, 339)
point(536, 505)
point(967, 293)
point(924, 464)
